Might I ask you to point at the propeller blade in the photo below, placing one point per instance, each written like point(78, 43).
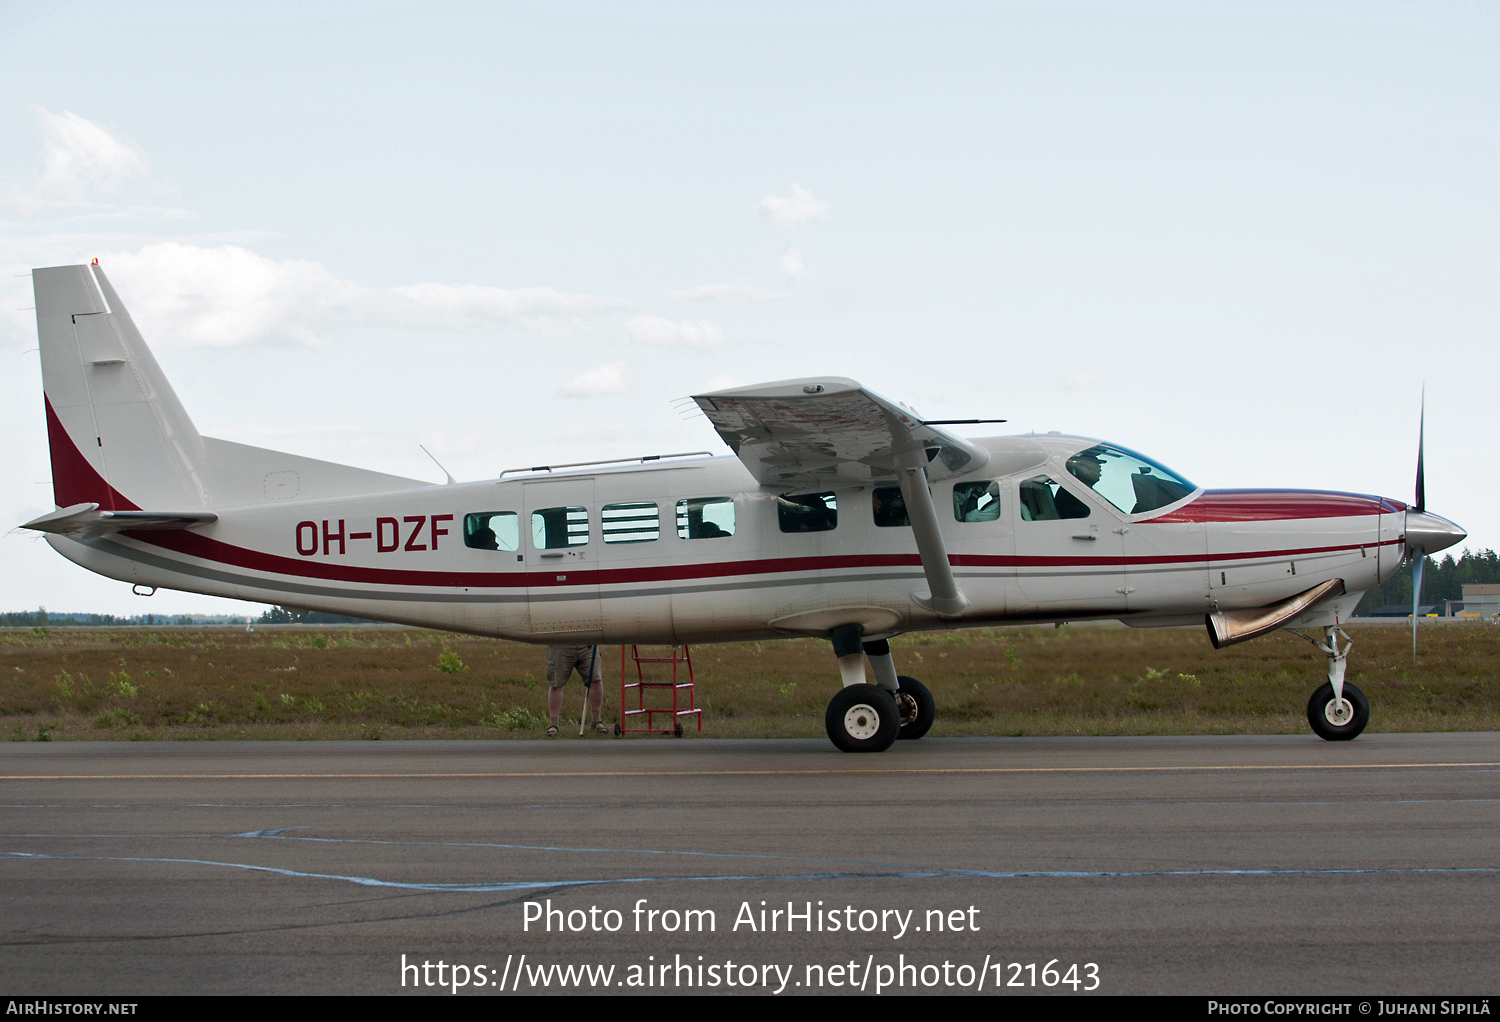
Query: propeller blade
point(1421, 443)
point(1416, 593)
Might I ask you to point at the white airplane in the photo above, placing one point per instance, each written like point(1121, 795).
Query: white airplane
point(842, 515)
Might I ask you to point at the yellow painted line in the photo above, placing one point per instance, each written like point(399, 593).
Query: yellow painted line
point(735, 773)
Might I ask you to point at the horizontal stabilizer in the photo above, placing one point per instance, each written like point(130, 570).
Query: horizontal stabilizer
point(87, 520)
point(1226, 627)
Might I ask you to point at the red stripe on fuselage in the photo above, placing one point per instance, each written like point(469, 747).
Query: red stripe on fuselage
point(207, 549)
point(1277, 505)
point(74, 480)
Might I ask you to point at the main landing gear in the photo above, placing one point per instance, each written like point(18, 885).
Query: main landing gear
point(1337, 711)
point(869, 718)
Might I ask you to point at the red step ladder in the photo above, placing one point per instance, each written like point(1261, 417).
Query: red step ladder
point(684, 699)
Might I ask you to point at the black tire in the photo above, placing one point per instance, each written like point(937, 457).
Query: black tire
point(619, 730)
point(677, 731)
point(916, 707)
point(862, 718)
point(1323, 720)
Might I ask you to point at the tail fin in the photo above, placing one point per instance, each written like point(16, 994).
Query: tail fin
point(121, 439)
point(119, 436)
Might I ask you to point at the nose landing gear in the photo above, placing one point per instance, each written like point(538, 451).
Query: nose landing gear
point(1337, 711)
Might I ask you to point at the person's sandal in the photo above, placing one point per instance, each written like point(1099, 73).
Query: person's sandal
point(552, 731)
point(601, 727)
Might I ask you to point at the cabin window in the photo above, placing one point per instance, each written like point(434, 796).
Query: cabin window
point(1043, 499)
point(807, 512)
point(555, 527)
point(705, 517)
point(630, 523)
point(889, 507)
point(492, 530)
point(1127, 480)
point(976, 502)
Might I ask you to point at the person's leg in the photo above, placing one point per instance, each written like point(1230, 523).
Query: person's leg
point(559, 667)
point(596, 684)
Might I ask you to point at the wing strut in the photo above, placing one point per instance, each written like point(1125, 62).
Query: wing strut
point(945, 600)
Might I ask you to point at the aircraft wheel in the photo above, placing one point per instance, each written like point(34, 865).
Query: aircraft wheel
point(916, 707)
point(862, 718)
point(1334, 722)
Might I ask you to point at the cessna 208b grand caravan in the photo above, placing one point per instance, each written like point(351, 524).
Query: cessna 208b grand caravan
point(842, 515)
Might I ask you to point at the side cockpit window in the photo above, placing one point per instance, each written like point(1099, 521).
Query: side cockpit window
point(1043, 499)
point(492, 530)
point(1128, 481)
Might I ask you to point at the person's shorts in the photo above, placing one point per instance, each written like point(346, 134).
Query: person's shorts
point(563, 660)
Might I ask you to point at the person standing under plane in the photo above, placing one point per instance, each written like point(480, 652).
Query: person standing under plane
point(561, 662)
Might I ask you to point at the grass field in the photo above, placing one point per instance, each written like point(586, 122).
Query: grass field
point(300, 683)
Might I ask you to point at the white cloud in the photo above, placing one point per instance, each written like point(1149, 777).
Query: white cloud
point(801, 206)
point(791, 262)
point(659, 332)
point(82, 163)
point(187, 296)
point(729, 292)
point(606, 379)
point(190, 296)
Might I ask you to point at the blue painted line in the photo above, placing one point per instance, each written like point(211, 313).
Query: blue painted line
point(278, 834)
point(519, 885)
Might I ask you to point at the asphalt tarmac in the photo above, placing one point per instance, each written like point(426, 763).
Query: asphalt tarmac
point(1212, 865)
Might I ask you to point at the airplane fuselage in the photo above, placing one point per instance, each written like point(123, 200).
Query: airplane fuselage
point(630, 566)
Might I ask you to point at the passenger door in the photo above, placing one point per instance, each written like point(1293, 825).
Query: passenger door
point(560, 537)
point(1069, 551)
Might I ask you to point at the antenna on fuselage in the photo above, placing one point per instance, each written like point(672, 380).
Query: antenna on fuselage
point(439, 464)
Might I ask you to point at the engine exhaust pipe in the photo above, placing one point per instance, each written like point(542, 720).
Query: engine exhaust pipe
point(1226, 627)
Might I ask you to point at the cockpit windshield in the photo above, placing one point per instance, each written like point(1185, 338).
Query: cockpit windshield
point(1128, 481)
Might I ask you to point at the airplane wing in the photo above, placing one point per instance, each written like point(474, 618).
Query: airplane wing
point(830, 431)
point(88, 520)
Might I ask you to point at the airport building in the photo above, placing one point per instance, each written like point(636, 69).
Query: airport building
point(1481, 600)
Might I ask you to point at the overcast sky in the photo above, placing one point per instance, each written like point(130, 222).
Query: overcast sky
point(1236, 237)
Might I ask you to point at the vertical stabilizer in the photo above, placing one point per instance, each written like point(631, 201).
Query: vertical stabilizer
point(118, 435)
